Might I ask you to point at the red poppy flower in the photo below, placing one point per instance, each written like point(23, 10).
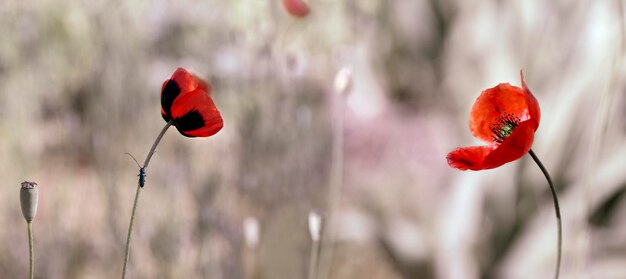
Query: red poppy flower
point(297, 8)
point(506, 118)
point(186, 100)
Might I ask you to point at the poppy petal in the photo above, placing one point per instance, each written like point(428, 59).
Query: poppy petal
point(296, 8)
point(513, 147)
point(195, 114)
point(468, 158)
point(534, 111)
point(492, 104)
point(181, 82)
point(169, 92)
point(495, 155)
point(202, 85)
point(186, 81)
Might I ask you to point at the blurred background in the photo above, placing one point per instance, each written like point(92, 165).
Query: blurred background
point(80, 84)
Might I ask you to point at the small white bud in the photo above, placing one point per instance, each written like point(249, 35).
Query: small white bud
point(343, 81)
point(315, 225)
point(251, 230)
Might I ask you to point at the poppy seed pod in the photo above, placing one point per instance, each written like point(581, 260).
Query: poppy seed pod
point(28, 200)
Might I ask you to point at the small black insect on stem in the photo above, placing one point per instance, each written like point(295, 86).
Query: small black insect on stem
point(142, 177)
point(142, 172)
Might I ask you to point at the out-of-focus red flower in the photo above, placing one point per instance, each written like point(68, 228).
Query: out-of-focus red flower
point(186, 100)
point(506, 118)
point(296, 8)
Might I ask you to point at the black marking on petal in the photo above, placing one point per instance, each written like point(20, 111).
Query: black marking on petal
point(169, 94)
point(165, 117)
point(190, 121)
point(504, 127)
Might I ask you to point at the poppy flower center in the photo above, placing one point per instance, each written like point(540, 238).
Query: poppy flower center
point(504, 127)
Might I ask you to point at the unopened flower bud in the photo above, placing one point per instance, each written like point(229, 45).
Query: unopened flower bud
point(343, 81)
point(315, 225)
point(28, 200)
point(251, 232)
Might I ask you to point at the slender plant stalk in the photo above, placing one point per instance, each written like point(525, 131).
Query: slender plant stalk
point(334, 196)
point(31, 254)
point(315, 248)
point(557, 210)
point(132, 215)
point(156, 142)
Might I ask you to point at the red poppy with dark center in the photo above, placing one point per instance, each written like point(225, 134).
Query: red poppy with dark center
point(506, 118)
point(186, 101)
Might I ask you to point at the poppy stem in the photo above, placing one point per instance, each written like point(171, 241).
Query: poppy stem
point(557, 209)
point(156, 142)
point(314, 258)
point(334, 195)
point(139, 187)
point(31, 256)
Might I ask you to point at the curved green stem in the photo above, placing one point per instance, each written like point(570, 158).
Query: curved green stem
point(132, 214)
point(31, 254)
point(557, 209)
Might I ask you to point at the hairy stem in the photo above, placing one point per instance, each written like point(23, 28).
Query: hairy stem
point(132, 214)
point(557, 210)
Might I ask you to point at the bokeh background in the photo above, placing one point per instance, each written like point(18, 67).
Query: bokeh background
point(79, 87)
